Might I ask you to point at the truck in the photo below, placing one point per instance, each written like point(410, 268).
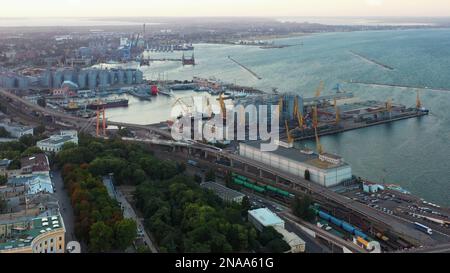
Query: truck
point(423, 228)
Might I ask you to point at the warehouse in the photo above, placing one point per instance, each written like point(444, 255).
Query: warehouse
point(327, 170)
point(223, 192)
point(263, 217)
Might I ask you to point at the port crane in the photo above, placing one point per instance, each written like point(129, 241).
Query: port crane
point(319, 89)
point(319, 146)
point(418, 102)
point(288, 132)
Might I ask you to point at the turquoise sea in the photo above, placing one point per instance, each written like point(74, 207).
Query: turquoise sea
point(413, 153)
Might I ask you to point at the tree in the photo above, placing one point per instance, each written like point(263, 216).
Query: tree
point(246, 205)
point(302, 207)
point(31, 151)
point(4, 133)
point(101, 237)
point(210, 175)
point(3, 180)
point(307, 175)
point(39, 130)
point(125, 233)
point(3, 205)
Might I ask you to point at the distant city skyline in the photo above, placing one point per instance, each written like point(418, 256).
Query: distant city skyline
point(264, 8)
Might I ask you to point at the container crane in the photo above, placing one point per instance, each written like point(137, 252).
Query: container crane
point(280, 106)
point(289, 136)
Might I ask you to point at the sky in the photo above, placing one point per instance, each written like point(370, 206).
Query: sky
point(176, 8)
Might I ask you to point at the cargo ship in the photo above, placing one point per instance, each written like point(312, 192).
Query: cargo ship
point(113, 103)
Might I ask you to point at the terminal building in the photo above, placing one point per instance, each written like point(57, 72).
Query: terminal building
point(325, 169)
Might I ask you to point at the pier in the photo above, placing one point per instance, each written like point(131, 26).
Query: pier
point(398, 86)
point(246, 68)
point(371, 60)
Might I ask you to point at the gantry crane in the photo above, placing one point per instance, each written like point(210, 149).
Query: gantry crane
point(301, 120)
point(280, 106)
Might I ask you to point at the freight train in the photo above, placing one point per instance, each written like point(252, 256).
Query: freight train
point(250, 184)
point(339, 223)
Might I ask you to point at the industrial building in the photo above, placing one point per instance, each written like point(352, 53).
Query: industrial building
point(226, 194)
point(325, 169)
point(263, 217)
point(56, 142)
point(90, 78)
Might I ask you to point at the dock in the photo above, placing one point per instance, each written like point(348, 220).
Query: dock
point(385, 66)
point(246, 68)
point(398, 86)
point(361, 125)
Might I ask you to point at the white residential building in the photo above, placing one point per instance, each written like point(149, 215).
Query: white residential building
point(56, 142)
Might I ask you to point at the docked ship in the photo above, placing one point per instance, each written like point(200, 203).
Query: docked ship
point(72, 106)
point(112, 103)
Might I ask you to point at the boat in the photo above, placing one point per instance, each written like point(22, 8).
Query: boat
point(397, 188)
point(113, 103)
point(72, 106)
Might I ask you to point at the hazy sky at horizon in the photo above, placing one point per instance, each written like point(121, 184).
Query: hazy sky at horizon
point(99, 8)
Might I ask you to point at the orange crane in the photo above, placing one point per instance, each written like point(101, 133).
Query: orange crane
point(301, 120)
point(101, 111)
point(315, 118)
point(319, 146)
point(280, 106)
point(418, 102)
point(223, 109)
point(338, 112)
point(289, 136)
point(319, 89)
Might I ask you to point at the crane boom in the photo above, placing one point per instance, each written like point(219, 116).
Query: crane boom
point(289, 136)
point(319, 146)
point(319, 89)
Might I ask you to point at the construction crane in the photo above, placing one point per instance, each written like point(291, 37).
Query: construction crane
point(418, 102)
point(289, 136)
point(209, 108)
point(319, 146)
point(319, 89)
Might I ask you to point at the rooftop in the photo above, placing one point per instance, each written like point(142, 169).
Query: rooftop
point(38, 163)
point(23, 236)
point(299, 156)
point(221, 190)
point(266, 217)
point(35, 183)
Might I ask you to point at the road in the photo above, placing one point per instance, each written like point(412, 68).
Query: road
point(128, 212)
point(66, 209)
